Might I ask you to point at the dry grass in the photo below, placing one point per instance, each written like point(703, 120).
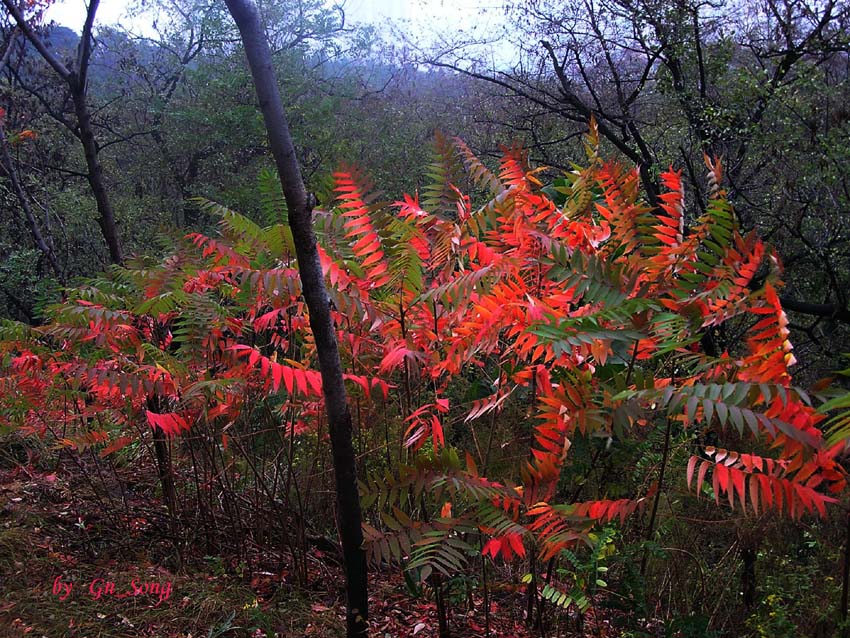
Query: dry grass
point(43, 537)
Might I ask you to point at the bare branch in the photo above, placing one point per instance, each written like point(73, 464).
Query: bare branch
point(36, 41)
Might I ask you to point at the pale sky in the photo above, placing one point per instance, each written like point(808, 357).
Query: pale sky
point(71, 13)
point(431, 23)
point(443, 14)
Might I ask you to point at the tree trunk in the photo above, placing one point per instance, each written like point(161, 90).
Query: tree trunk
point(106, 220)
point(247, 18)
point(44, 245)
point(75, 77)
point(166, 476)
point(748, 576)
point(845, 579)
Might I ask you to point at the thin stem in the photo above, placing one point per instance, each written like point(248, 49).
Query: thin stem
point(651, 528)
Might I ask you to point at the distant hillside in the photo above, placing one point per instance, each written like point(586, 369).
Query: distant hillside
point(61, 39)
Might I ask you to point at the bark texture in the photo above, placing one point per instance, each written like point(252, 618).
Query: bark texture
point(257, 51)
point(94, 175)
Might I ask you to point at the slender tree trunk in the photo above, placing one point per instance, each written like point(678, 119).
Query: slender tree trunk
point(748, 576)
point(247, 18)
point(845, 579)
point(44, 245)
point(163, 464)
point(166, 476)
point(106, 218)
point(651, 527)
point(75, 77)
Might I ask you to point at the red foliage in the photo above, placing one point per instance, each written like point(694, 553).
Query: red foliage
point(579, 305)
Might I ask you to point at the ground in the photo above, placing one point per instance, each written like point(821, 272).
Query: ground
point(65, 572)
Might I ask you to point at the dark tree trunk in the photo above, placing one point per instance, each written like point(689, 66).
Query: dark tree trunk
point(748, 577)
point(75, 77)
point(166, 476)
point(845, 579)
point(94, 174)
point(247, 18)
point(162, 453)
point(45, 245)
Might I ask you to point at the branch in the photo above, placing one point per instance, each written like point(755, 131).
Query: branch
point(37, 42)
point(48, 107)
point(515, 90)
point(84, 49)
point(23, 200)
point(122, 138)
point(10, 43)
point(832, 311)
point(574, 101)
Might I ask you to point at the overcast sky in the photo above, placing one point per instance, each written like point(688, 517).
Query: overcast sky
point(429, 23)
point(444, 14)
